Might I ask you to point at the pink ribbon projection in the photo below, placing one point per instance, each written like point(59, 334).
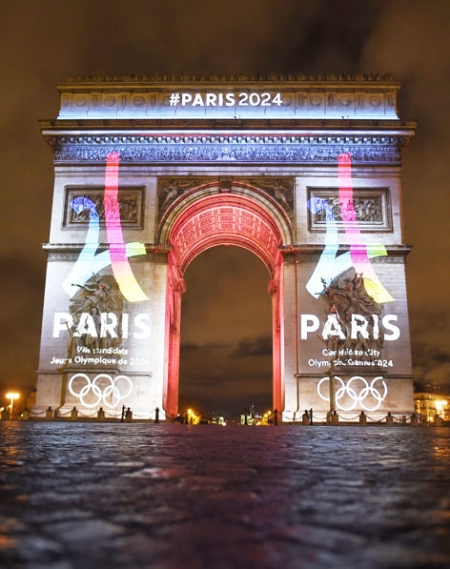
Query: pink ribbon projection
point(330, 263)
point(89, 263)
point(123, 274)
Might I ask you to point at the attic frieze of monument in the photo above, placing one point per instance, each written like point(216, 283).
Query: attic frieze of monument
point(207, 148)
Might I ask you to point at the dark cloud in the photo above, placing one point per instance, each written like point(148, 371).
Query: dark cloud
point(430, 346)
point(261, 346)
point(44, 41)
point(20, 321)
point(332, 39)
point(412, 42)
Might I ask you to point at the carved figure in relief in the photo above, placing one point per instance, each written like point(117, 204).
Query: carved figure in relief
point(93, 296)
point(171, 194)
point(93, 340)
point(356, 209)
point(280, 197)
point(353, 317)
point(280, 189)
point(98, 302)
point(174, 188)
point(125, 208)
point(334, 341)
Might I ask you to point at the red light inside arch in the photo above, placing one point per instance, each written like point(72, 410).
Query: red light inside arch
point(225, 220)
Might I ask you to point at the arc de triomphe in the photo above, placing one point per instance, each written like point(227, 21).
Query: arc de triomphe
point(302, 171)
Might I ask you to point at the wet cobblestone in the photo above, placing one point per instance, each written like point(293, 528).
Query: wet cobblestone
point(97, 495)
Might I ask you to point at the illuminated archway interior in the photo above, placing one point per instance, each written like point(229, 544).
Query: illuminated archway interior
point(222, 219)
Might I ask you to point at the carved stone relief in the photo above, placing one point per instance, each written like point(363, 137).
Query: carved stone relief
point(348, 303)
point(169, 189)
point(96, 310)
point(280, 189)
point(130, 200)
point(371, 207)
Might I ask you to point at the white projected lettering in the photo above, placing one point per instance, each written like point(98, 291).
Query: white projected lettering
point(252, 99)
point(109, 326)
point(308, 323)
point(367, 326)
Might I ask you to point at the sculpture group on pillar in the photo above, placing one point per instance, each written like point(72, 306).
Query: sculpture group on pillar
point(348, 302)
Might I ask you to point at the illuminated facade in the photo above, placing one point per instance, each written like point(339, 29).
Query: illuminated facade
point(430, 403)
point(303, 172)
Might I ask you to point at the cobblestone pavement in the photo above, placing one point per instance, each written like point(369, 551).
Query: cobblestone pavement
point(103, 495)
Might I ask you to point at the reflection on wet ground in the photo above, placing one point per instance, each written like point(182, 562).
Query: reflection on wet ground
point(167, 496)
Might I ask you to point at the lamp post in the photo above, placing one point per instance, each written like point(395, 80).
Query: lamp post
point(12, 395)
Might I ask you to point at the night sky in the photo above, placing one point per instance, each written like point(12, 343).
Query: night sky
point(226, 352)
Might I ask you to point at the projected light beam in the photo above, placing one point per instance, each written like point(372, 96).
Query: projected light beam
point(358, 251)
point(89, 263)
point(330, 263)
point(123, 274)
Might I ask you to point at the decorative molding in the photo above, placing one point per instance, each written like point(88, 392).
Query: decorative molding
point(70, 252)
point(130, 199)
point(225, 149)
point(372, 208)
point(345, 78)
point(325, 126)
point(310, 253)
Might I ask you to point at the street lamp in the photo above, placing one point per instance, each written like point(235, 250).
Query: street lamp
point(12, 395)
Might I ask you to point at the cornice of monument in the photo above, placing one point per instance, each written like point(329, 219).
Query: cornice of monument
point(396, 253)
point(127, 124)
point(221, 78)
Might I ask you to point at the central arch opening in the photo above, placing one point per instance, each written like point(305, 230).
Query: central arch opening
point(222, 219)
point(226, 335)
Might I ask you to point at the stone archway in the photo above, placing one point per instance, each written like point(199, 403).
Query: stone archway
point(222, 219)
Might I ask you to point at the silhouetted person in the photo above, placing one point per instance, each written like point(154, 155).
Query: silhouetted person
point(310, 416)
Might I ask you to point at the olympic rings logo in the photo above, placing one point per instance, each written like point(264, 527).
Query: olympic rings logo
point(109, 395)
point(357, 396)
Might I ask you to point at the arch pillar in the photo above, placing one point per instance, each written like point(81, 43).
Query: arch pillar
point(290, 306)
point(175, 289)
point(276, 289)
